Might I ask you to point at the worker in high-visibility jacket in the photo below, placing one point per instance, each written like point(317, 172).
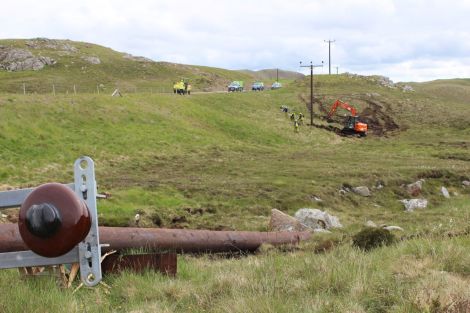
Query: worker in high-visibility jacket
point(296, 126)
point(301, 119)
point(189, 89)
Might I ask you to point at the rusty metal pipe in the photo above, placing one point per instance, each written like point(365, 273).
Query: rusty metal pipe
point(179, 240)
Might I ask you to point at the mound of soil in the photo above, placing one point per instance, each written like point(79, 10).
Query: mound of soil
point(377, 115)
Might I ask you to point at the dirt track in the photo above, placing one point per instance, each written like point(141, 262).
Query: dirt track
point(377, 114)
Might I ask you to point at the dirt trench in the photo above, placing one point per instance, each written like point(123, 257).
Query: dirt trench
point(377, 114)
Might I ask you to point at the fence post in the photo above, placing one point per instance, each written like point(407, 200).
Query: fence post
point(24, 88)
point(98, 88)
point(53, 89)
point(74, 90)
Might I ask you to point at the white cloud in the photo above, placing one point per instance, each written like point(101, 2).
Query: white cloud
point(406, 40)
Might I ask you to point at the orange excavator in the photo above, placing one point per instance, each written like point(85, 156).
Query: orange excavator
point(353, 125)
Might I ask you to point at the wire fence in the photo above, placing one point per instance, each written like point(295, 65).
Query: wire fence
point(75, 89)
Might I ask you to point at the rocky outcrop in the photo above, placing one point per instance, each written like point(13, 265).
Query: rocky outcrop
point(136, 58)
point(14, 59)
point(45, 43)
point(407, 88)
point(382, 81)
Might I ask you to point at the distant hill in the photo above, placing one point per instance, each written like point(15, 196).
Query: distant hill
point(270, 74)
point(43, 65)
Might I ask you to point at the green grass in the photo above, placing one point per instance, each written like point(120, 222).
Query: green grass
point(234, 157)
point(420, 275)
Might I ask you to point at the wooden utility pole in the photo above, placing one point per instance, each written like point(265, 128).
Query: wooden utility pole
point(329, 54)
point(311, 87)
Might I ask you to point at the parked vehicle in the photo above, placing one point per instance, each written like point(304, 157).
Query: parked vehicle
point(182, 87)
point(236, 85)
point(257, 86)
point(276, 85)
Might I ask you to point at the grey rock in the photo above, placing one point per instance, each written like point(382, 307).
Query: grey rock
point(390, 228)
point(362, 191)
point(415, 188)
point(14, 59)
point(9, 55)
point(385, 81)
point(281, 221)
point(342, 192)
point(379, 185)
point(315, 198)
point(45, 43)
point(445, 192)
point(407, 88)
point(92, 59)
point(466, 183)
point(413, 204)
point(317, 219)
point(137, 58)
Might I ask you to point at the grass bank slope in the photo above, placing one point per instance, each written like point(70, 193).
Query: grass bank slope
point(234, 157)
point(223, 161)
point(90, 67)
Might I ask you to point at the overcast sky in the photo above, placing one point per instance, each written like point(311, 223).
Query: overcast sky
point(407, 40)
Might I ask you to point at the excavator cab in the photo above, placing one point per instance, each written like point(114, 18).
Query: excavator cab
point(353, 125)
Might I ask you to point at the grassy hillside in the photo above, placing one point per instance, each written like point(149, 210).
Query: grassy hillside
point(223, 161)
point(115, 70)
point(272, 74)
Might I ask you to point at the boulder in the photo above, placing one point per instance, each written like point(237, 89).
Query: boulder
point(407, 88)
point(413, 204)
point(415, 188)
point(317, 219)
point(281, 221)
point(92, 59)
point(362, 191)
point(445, 192)
point(466, 183)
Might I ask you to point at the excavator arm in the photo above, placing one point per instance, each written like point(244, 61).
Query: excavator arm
point(344, 105)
